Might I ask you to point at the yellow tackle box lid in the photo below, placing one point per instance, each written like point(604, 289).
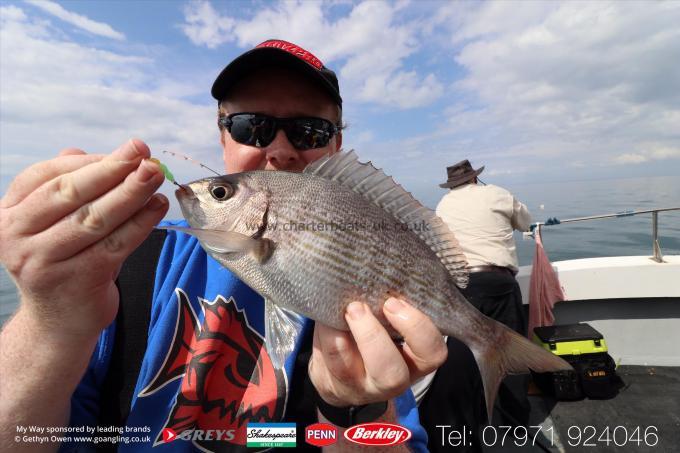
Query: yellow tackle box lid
point(570, 339)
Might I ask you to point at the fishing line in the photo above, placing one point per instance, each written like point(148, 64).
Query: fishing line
point(189, 159)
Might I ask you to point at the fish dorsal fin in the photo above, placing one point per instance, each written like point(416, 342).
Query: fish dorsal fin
point(374, 185)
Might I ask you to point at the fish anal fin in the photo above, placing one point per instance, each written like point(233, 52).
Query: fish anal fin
point(282, 329)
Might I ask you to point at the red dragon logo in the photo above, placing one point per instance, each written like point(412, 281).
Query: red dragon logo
point(228, 379)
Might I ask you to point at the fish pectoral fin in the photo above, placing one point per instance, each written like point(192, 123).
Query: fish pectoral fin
point(263, 250)
point(253, 219)
point(225, 241)
point(282, 328)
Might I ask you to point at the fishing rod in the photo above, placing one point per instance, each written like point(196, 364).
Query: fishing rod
point(656, 247)
point(555, 221)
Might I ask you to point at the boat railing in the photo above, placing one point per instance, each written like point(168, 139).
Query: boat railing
point(656, 247)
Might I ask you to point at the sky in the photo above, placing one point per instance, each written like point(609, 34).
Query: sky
point(534, 91)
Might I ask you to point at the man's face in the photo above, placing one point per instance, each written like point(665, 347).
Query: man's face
point(282, 94)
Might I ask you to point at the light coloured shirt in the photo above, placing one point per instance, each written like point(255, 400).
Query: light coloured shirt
point(482, 218)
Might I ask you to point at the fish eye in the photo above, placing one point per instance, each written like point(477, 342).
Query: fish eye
point(221, 192)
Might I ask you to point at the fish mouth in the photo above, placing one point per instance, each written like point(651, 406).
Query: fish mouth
point(184, 193)
point(189, 204)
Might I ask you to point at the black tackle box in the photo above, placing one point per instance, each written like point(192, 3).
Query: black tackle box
point(585, 349)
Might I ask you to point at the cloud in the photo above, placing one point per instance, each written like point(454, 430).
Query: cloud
point(57, 93)
point(531, 84)
point(531, 90)
point(630, 158)
point(665, 152)
point(363, 137)
point(648, 154)
point(549, 82)
point(82, 22)
point(500, 171)
point(206, 27)
point(404, 90)
point(369, 44)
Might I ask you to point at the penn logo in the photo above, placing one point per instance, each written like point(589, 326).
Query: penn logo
point(377, 434)
point(321, 434)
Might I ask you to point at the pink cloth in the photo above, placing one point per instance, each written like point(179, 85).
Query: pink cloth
point(544, 289)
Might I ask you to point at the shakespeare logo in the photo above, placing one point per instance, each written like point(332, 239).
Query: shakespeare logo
point(227, 377)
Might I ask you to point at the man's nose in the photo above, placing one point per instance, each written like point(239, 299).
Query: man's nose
point(281, 154)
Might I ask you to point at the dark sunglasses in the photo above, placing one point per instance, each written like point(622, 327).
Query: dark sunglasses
point(259, 130)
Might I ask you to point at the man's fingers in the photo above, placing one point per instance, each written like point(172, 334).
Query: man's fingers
point(340, 354)
point(64, 194)
point(97, 219)
point(34, 176)
point(97, 266)
point(71, 152)
point(424, 347)
point(368, 366)
point(382, 360)
point(129, 235)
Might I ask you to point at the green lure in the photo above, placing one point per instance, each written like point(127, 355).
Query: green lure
point(166, 172)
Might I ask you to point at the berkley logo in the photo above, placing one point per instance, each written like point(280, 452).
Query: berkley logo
point(377, 434)
point(321, 434)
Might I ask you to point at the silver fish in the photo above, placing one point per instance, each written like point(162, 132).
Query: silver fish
point(312, 242)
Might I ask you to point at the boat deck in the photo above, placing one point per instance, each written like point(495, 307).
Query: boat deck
point(650, 400)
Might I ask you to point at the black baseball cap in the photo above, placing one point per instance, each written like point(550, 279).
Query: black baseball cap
point(275, 52)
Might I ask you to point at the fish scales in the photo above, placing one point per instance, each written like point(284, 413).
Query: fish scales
point(351, 269)
point(377, 267)
point(347, 269)
point(335, 244)
point(386, 252)
point(342, 231)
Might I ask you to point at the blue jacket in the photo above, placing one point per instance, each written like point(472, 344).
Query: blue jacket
point(205, 374)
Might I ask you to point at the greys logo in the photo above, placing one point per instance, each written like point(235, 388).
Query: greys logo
point(170, 435)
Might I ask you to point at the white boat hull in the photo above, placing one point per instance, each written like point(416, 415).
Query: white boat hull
point(632, 300)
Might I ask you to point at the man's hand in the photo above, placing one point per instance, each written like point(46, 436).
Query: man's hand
point(366, 366)
point(67, 224)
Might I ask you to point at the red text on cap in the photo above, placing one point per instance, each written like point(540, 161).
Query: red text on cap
point(293, 49)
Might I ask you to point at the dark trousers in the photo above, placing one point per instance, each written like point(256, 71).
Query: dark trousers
point(456, 396)
point(455, 402)
point(498, 296)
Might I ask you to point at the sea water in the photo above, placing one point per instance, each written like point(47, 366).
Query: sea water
point(626, 236)
point(595, 238)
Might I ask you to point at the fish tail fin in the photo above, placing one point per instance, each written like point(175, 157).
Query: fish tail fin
point(511, 353)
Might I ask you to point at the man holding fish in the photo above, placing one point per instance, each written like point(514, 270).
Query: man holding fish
point(69, 223)
point(229, 340)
